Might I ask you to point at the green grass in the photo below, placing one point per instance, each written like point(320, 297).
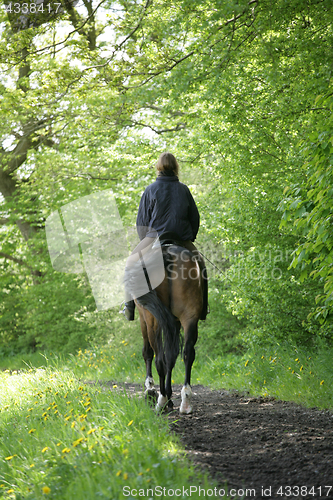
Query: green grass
point(63, 437)
point(67, 440)
point(285, 372)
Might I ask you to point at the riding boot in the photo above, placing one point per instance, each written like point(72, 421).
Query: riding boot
point(129, 310)
point(205, 293)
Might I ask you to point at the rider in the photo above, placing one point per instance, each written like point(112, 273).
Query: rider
point(168, 206)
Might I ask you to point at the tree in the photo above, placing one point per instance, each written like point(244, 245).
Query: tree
point(308, 204)
point(93, 93)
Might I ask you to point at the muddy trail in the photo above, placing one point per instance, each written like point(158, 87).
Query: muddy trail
point(273, 449)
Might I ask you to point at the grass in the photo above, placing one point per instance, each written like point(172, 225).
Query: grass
point(64, 439)
point(285, 372)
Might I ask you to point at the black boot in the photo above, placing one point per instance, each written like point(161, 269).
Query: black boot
point(205, 308)
point(129, 310)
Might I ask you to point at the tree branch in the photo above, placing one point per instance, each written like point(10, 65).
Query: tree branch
point(21, 263)
point(179, 126)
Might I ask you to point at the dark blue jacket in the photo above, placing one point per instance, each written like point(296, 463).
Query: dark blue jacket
point(167, 205)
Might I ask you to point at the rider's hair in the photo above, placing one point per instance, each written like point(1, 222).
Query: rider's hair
point(167, 164)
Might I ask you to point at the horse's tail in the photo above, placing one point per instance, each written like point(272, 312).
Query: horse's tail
point(168, 329)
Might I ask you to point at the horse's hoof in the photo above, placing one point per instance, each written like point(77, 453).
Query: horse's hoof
point(151, 396)
point(185, 409)
point(161, 403)
point(170, 405)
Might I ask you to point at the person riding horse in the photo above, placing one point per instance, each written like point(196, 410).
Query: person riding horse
point(167, 205)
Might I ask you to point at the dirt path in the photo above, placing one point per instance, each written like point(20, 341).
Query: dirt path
point(252, 443)
point(255, 443)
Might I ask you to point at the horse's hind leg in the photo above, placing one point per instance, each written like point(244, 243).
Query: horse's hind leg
point(160, 367)
point(191, 336)
point(148, 355)
point(168, 389)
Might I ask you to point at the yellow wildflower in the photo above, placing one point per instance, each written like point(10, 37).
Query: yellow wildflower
point(31, 431)
point(66, 450)
point(125, 476)
point(246, 363)
point(118, 473)
point(321, 383)
point(91, 431)
point(130, 423)
point(46, 490)
point(78, 441)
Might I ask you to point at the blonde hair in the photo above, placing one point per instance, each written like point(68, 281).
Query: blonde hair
point(167, 163)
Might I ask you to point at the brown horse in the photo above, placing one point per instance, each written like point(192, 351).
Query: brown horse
point(177, 302)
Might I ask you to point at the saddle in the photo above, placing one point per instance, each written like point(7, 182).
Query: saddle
point(170, 238)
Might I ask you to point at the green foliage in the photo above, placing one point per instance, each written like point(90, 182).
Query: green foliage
point(49, 315)
point(309, 206)
point(90, 97)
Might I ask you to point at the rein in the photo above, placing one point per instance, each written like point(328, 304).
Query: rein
point(226, 276)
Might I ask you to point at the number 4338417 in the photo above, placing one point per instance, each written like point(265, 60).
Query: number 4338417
point(304, 491)
point(31, 8)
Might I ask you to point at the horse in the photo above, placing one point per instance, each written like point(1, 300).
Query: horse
point(176, 302)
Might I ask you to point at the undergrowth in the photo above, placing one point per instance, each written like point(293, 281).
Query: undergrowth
point(67, 439)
